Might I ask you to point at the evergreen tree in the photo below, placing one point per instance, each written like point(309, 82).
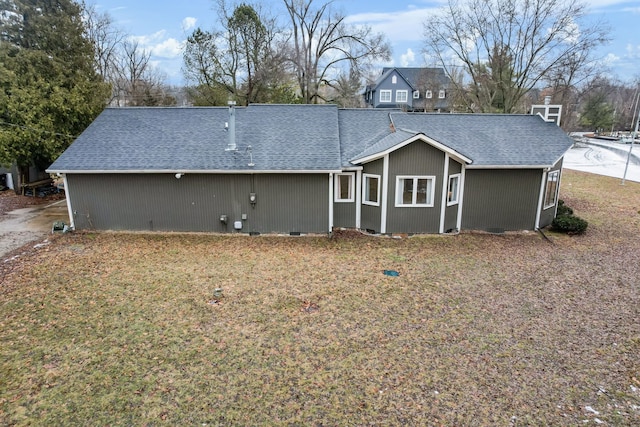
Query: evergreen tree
point(49, 89)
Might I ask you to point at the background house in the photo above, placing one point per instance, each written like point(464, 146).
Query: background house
point(411, 89)
point(309, 168)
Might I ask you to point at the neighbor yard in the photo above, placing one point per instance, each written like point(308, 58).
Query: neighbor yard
point(477, 329)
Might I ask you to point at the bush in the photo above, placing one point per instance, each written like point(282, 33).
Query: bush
point(563, 209)
point(566, 222)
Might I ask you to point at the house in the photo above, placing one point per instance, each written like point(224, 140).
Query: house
point(310, 168)
point(411, 89)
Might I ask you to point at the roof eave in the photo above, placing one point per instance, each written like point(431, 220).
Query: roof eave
point(191, 171)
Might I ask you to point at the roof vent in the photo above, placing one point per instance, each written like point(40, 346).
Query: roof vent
point(231, 127)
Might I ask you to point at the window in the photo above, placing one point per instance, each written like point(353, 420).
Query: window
point(371, 189)
point(385, 96)
point(551, 192)
point(343, 190)
point(441, 94)
point(416, 94)
point(429, 94)
point(414, 191)
point(401, 95)
point(453, 189)
point(394, 79)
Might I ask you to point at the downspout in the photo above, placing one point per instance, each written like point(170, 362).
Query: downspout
point(358, 199)
point(463, 172)
point(541, 197)
point(445, 183)
point(331, 177)
point(383, 196)
point(72, 223)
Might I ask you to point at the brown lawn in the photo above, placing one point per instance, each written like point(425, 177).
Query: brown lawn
point(478, 329)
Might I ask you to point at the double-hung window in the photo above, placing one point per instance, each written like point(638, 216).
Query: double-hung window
point(385, 95)
point(343, 187)
point(401, 95)
point(370, 189)
point(453, 190)
point(551, 191)
point(415, 191)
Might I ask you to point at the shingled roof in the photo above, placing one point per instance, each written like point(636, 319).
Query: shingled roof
point(492, 140)
point(298, 138)
point(142, 140)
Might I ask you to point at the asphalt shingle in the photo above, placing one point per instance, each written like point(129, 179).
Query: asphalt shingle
point(297, 138)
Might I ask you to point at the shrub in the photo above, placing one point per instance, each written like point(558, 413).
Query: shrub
point(569, 224)
point(563, 209)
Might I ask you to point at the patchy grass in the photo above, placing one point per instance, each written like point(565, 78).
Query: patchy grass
point(478, 329)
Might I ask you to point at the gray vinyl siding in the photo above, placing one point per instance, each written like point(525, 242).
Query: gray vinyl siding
point(344, 214)
point(415, 159)
point(195, 202)
point(496, 200)
point(451, 212)
point(370, 216)
point(547, 215)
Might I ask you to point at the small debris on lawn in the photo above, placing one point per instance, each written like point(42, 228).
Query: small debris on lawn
point(392, 273)
point(309, 307)
point(214, 302)
point(590, 409)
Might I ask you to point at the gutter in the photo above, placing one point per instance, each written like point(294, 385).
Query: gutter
point(190, 171)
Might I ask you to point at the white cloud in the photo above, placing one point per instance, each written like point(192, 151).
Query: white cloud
point(407, 58)
point(188, 23)
point(633, 51)
point(149, 39)
point(610, 59)
point(169, 48)
point(405, 25)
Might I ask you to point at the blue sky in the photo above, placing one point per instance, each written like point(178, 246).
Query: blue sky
point(161, 26)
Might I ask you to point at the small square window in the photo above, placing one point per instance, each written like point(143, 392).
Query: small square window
point(371, 189)
point(416, 94)
point(441, 94)
point(453, 190)
point(343, 187)
point(428, 94)
point(385, 96)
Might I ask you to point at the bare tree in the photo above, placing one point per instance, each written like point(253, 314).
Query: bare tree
point(506, 47)
point(243, 59)
point(106, 38)
point(322, 42)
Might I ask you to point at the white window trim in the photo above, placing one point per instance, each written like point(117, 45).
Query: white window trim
point(429, 203)
point(457, 200)
point(441, 94)
point(403, 92)
point(336, 187)
point(365, 193)
point(555, 196)
point(428, 94)
point(386, 91)
point(416, 94)
point(394, 79)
